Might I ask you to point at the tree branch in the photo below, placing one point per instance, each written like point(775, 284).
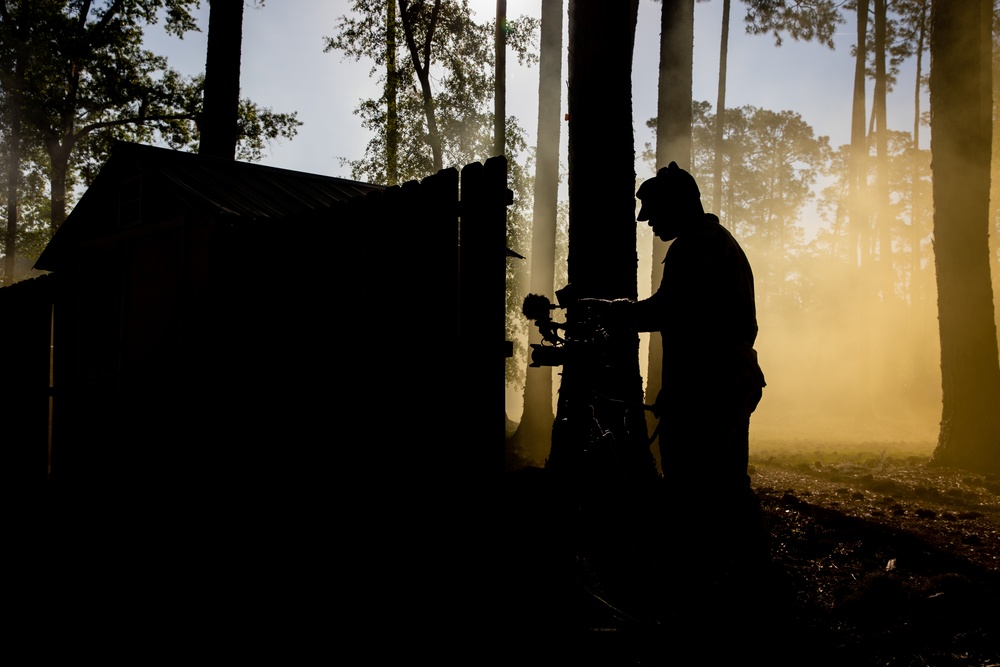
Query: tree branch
point(111, 11)
point(82, 18)
point(423, 75)
point(86, 129)
point(430, 34)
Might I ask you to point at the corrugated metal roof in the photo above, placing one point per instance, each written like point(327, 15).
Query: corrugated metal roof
point(248, 190)
point(239, 190)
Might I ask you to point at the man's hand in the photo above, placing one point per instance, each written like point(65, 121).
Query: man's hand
point(613, 310)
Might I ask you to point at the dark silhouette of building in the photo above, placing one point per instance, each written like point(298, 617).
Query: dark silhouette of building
point(258, 384)
point(189, 324)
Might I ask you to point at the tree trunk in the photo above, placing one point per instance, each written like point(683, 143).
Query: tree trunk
point(673, 140)
point(602, 255)
point(882, 218)
point(391, 97)
point(857, 169)
point(13, 173)
point(59, 153)
point(995, 188)
point(602, 241)
point(881, 215)
point(421, 65)
point(720, 113)
point(500, 82)
point(918, 74)
point(859, 214)
point(534, 432)
point(917, 297)
point(673, 106)
point(219, 123)
point(961, 139)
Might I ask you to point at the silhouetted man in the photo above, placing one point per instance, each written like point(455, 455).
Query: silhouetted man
point(705, 313)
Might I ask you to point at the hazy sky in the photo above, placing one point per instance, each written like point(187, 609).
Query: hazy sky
point(284, 67)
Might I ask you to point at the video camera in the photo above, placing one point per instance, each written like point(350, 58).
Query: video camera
point(581, 334)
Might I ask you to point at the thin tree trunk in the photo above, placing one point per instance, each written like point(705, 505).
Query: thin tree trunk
point(882, 217)
point(916, 283)
point(881, 198)
point(961, 140)
point(534, 432)
point(859, 214)
point(421, 65)
point(857, 168)
point(918, 75)
point(500, 81)
point(391, 97)
point(720, 112)
point(59, 153)
point(60, 144)
point(673, 140)
point(13, 172)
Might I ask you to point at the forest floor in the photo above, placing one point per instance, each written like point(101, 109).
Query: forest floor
point(877, 559)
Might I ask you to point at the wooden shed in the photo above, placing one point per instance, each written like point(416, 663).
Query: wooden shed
point(192, 318)
point(246, 368)
point(220, 327)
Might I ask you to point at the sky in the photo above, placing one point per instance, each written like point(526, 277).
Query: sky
point(285, 68)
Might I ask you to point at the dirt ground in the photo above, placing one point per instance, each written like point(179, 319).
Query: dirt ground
point(877, 558)
point(892, 561)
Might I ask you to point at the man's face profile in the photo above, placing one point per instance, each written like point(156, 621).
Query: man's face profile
point(662, 212)
point(664, 225)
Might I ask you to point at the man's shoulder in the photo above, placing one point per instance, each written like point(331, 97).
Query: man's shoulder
point(715, 229)
point(706, 245)
point(710, 231)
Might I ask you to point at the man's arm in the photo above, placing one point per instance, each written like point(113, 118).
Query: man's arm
point(645, 315)
point(648, 314)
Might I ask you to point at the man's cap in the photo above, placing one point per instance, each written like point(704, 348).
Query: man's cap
point(670, 185)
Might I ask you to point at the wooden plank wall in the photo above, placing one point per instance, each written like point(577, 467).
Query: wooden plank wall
point(347, 348)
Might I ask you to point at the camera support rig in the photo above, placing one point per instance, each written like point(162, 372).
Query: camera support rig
point(599, 437)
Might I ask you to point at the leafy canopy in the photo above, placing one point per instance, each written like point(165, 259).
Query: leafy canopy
point(77, 76)
point(461, 60)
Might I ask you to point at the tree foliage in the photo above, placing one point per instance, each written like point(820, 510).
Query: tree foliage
point(802, 20)
point(903, 26)
point(772, 164)
point(771, 161)
point(775, 170)
point(908, 206)
point(460, 58)
point(89, 81)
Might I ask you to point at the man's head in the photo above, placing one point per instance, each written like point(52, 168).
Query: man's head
point(670, 201)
